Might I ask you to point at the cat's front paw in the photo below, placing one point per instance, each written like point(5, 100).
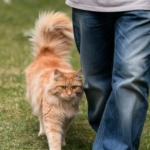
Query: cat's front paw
point(63, 143)
point(41, 133)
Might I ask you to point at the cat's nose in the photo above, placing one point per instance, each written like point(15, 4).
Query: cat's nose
point(69, 94)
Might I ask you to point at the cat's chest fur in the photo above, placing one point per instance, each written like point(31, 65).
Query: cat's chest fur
point(63, 110)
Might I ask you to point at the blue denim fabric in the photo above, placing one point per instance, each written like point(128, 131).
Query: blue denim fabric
point(115, 58)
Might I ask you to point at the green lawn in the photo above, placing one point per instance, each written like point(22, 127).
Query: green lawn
point(18, 127)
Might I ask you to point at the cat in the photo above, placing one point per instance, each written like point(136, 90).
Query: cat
point(54, 89)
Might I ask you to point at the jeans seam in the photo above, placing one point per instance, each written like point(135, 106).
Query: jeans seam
point(147, 80)
point(101, 136)
point(140, 128)
point(76, 38)
point(75, 33)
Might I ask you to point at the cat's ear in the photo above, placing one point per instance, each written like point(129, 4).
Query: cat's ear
point(57, 74)
point(79, 74)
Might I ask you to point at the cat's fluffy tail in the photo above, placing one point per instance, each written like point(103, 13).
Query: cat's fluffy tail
point(52, 35)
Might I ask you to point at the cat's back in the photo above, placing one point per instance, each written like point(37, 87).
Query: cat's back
point(43, 68)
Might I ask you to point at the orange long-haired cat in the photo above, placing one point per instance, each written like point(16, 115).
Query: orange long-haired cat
point(53, 88)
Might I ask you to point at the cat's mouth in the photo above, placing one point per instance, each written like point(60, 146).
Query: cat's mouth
point(68, 98)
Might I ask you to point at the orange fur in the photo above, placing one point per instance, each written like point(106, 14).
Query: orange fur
point(53, 88)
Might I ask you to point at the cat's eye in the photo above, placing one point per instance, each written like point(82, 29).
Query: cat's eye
point(74, 87)
point(63, 87)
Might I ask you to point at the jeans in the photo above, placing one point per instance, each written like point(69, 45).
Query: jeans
point(115, 58)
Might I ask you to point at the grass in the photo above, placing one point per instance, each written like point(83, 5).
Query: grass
point(18, 127)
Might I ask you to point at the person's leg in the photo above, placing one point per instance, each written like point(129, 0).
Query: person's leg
point(125, 111)
point(94, 36)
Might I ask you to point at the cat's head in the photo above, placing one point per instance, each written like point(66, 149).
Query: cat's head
point(66, 85)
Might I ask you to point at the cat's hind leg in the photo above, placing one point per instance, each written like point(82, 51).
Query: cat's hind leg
point(42, 130)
